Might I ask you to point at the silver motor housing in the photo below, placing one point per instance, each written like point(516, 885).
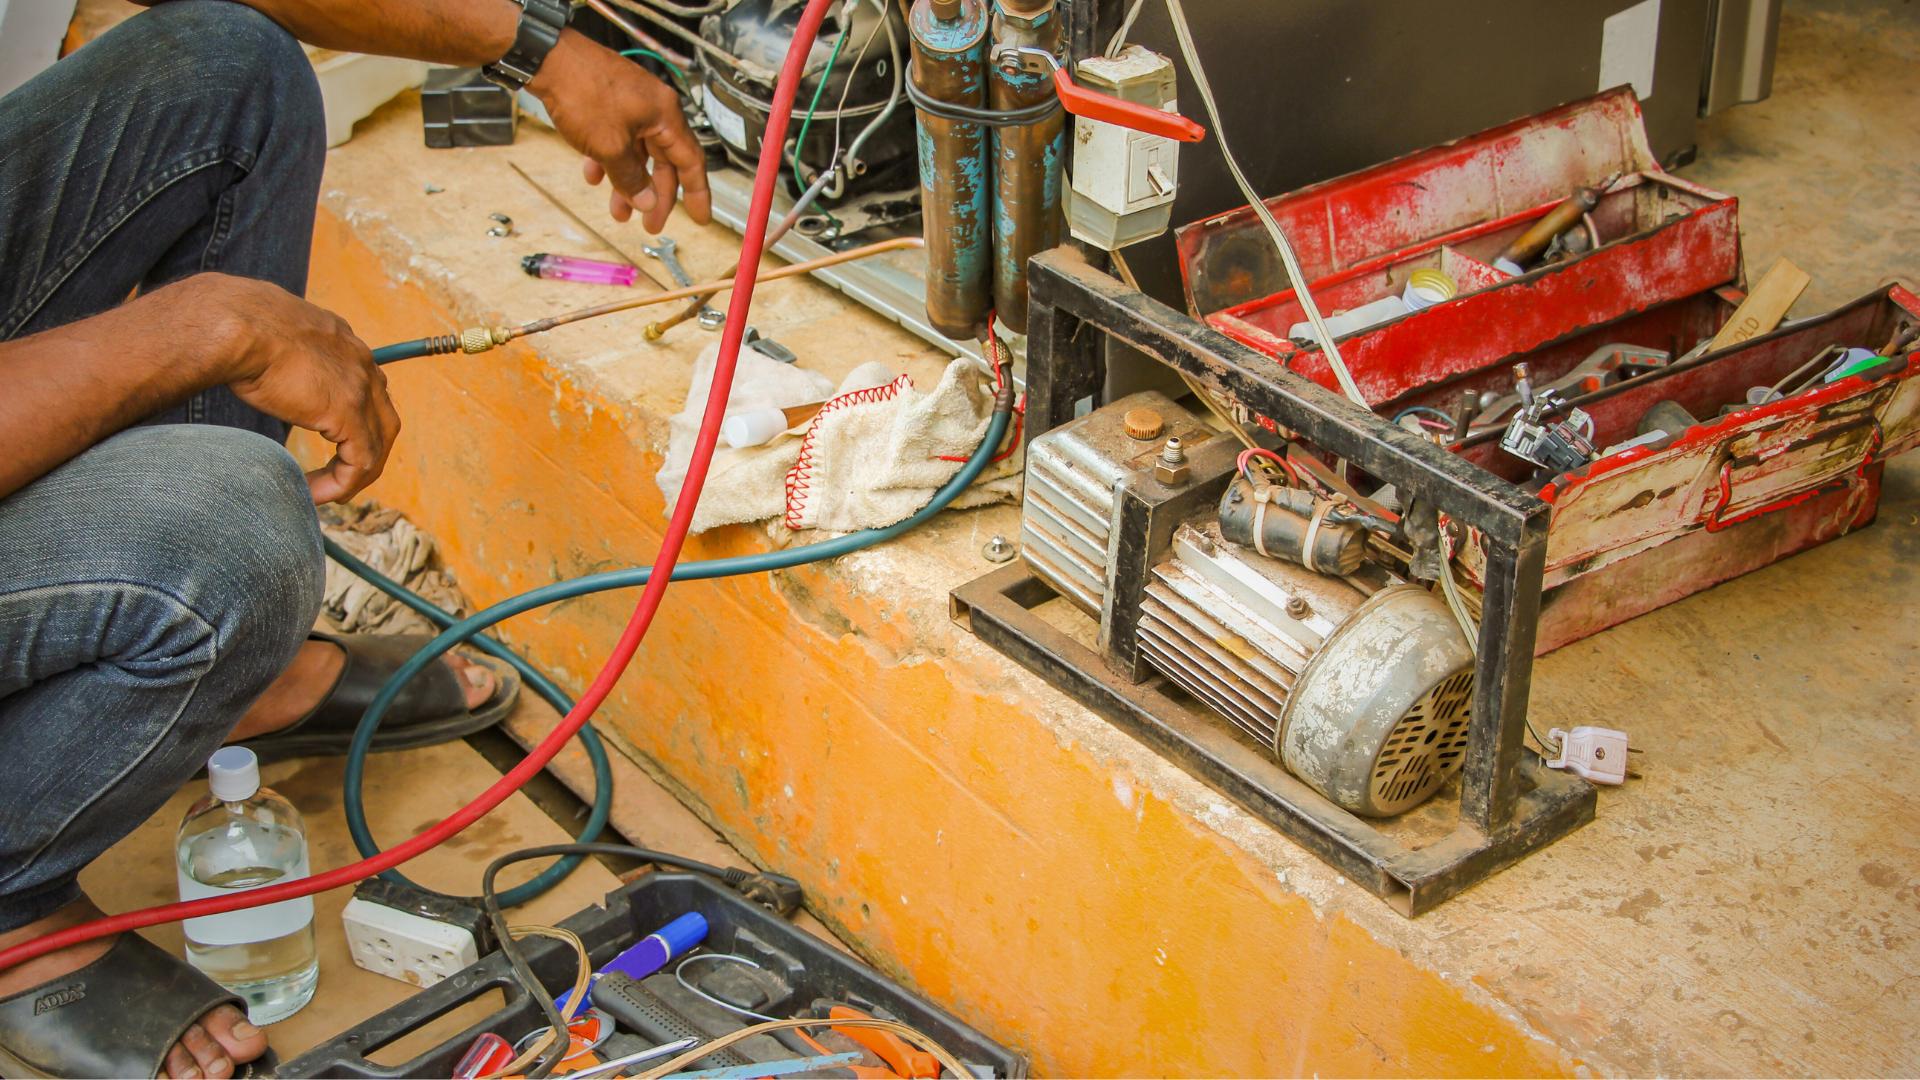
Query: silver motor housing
point(1362, 686)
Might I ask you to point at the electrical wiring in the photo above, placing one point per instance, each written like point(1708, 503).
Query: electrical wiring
point(1457, 604)
point(1119, 39)
point(1424, 410)
point(589, 738)
point(925, 1042)
point(1247, 456)
point(1184, 34)
point(732, 338)
point(826, 74)
point(852, 165)
point(786, 558)
point(679, 976)
point(673, 68)
point(555, 1033)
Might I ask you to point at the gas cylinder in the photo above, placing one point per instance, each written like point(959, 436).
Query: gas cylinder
point(950, 65)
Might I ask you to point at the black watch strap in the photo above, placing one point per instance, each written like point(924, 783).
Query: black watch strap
point(540, 24)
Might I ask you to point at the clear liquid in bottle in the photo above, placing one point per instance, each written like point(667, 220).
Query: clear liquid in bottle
point(243, 836)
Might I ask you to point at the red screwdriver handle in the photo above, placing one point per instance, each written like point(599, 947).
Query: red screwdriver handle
point(1097, 106)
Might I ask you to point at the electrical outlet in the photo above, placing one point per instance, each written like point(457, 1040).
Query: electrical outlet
point(405, 946)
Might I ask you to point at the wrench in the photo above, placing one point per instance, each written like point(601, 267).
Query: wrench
point(663, 249)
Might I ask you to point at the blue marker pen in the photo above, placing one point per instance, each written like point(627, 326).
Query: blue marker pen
point(650, 953)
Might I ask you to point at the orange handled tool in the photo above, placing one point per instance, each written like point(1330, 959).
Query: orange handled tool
point(900, 1055)
point(1094, 105)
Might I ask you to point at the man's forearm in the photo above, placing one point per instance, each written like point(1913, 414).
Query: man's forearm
point(68, 388)
point(464, 32)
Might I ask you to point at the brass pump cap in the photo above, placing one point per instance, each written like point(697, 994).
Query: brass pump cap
point(1143, 424)
point(945, 10)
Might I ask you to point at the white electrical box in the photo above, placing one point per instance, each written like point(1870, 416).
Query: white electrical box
point(1123, 180)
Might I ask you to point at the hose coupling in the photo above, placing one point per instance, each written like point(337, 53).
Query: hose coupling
point(479, 339)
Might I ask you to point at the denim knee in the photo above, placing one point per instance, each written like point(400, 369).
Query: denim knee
point(226, 526)
point(246, 63)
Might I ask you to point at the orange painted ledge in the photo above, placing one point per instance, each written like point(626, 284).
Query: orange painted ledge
point(969, 830)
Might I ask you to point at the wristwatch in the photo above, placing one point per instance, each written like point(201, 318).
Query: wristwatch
point(540, 24)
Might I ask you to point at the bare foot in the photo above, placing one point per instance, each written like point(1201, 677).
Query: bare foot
point(212, 1048)
point(315, 668)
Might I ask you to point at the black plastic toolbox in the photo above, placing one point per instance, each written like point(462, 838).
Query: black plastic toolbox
point(809, 967)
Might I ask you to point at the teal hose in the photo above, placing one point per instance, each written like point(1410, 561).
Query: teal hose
point(540, 684)
point(762, 562)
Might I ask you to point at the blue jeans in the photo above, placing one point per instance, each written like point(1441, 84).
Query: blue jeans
point(152, 587)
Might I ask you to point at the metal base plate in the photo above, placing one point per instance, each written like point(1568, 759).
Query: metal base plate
point(1413, 862)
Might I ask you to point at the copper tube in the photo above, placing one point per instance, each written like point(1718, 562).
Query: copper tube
point(1026, 162)
point(538, 326)
point(949, 65)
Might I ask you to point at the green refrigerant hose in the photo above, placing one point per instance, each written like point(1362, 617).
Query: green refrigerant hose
point(469, 629)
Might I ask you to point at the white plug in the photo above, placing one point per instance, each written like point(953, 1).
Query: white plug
point(1595, 753)
point(405, 946)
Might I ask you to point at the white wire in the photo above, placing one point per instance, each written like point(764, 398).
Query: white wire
point(709, 998)
point(1259, 205)
point(1126, 24)
point(1468, 626)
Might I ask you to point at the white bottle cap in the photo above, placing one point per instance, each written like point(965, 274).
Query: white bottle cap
point(754, 427)
point(233, 774)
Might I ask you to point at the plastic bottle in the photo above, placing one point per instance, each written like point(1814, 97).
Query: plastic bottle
point(242, 836)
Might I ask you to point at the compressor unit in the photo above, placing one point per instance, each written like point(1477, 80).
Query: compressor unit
point(1269, 605)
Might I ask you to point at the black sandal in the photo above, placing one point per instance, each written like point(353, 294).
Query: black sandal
point(118, 1016)
point(431, 708)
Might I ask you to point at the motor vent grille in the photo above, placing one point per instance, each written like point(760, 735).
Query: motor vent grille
point(1425, 747)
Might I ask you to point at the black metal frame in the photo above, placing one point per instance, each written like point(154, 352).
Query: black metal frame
point(1510, 803)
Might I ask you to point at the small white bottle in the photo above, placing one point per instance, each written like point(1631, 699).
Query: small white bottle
point(242, 836)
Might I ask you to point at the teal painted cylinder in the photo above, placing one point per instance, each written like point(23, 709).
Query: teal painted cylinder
point(1027, 159)
point(950, 65)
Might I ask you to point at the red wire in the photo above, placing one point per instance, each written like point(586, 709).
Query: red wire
point(1261, 452)
point(643, 612)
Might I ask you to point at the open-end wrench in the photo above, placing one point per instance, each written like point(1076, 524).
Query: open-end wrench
point(663, 249)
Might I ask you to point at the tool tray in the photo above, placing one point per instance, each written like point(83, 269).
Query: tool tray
point(809, 968)
point(1454, 207)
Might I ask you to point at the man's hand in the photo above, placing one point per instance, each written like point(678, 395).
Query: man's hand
point(620, 117)
point(302, 364)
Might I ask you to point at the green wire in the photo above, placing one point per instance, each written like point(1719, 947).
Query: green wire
point(799, 186)
point(678, 75)
point(759, 562)
point(540, 684)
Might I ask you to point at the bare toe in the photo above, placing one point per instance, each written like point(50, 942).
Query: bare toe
point(241, 1040)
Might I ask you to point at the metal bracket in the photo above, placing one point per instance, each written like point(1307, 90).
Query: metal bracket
point(1509, 804)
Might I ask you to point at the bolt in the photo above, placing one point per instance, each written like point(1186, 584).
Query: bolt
point(1171, 467)
point(1298, 608)
point(999, 549)
point(1172, 453)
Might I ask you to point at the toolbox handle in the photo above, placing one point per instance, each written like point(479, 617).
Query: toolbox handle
point(1716, 521)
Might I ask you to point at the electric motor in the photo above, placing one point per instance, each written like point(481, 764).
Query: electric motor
point(1362, 685)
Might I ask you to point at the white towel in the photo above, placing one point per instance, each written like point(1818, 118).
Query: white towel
point(874, 454)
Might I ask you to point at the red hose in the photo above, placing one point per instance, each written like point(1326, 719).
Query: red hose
point(762, 205)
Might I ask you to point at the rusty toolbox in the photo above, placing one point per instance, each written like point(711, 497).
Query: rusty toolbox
point(1740, 485)
point(1455, 209)
point(1744, 477)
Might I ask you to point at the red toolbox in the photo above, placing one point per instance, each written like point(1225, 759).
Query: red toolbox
point(1453, 208)
point(1637, 527)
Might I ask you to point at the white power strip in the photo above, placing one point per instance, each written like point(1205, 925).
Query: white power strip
point(405, 946)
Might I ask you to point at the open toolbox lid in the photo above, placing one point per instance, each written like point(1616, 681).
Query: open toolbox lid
point(1453, 207)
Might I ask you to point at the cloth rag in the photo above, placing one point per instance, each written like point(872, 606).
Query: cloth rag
point(873, 455)
point(397, 548)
